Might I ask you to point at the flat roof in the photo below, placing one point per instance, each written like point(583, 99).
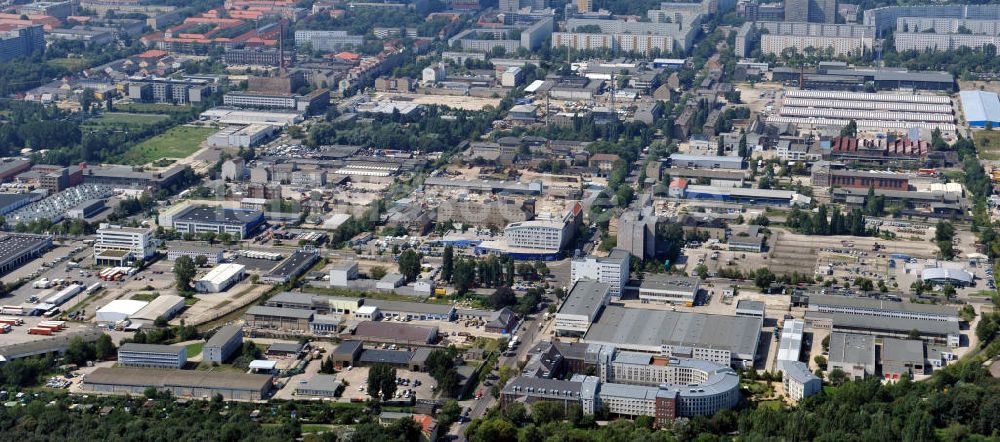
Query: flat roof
point(223, 272)
point(585, 298)
point(297, 313)
point(347, 348)
point(14, 245)
point(852, 348)
point(219, 215)
point(319, 382)
point(748, 304)
point(902, 350)
point(151, 348)
point(409, 307)
point(126, 307)
point(646, 329)
point(8, 199)
point(179, 378)
point(294, 264)
point(876, 324)
point(373, 356)
point(57, 343)
point(673, 283)
point(223, 336)
point(880, 304)
point(395, 331)
point(159, 306)
point(285, 347)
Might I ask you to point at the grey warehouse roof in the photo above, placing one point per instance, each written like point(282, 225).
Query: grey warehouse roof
point(223, 336)
point(645, 329)
point(669, 283)
point(218, 215)
point(852, 348)
point(151, 348)
point(260, 310)
point(585, 298)
point(373, 356)
point(410, 307)
point(889, 324)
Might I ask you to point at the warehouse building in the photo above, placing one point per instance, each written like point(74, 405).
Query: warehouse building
point(190, 384)
point(119, 310)
point(247, 136)
point(584, 303)
point(612, 270)
point(342, 272)
point(936, 331)
point(746, 196)
point(898, 357)
point(671, 289)
point(751, 309)
point(854, 354)
point(292, 267)
point(790, 345)
point(941, 275)
point(55, 345)
point(226, 341)
point(220, 278)
point(394, 333)
point(278, 318)
point(320, 385)
point(880, 308)
point(980, 108)
point(163, 306)
point(18, 249)
point(199, 219)
point(728, 340)
point(152, 355)
point(407, 310)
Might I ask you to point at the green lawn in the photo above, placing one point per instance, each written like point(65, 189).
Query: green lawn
point(987, 144)
point(145, 296)
point(129, 119)
point(153, 108)
point(194, 349)
point(774, 405)
point(178, 142)
point(71, 64)
point(316, 428)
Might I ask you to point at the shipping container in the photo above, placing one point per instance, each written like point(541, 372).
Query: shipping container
point(39, 331)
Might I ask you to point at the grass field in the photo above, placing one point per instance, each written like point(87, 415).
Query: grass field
point(177, 142)
point(194, 349)
point(72, 64)
point(153, 108)
point(127, 119)
point(987, 144)
point(145, 296)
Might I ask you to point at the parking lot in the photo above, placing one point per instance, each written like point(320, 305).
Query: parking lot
point(357, 381)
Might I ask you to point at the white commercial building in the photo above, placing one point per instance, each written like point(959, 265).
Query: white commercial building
point(220, 278)
point(669, 289)
point(799, 382)
point(248, 136)
point(582, 306)
point(119, 310)
point(612, 270)
point(537, 234)
point(790, 345)
point(223, 344)
point(152, 355)
point(343, 272)
point(135, 242)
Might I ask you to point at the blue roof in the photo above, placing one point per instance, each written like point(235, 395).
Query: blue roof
point(980, 106)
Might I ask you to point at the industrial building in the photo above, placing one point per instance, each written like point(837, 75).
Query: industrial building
point(746, 196)
point(292, 267)
point(192, 384)
point(152, 355)
point(980, 108)
point(278, 318)
point(213, 256)
point(942, 275)
point(881, 308)
point(898, 357)
point(496, 213)
point(412, 310)
point(790, 344)
point(671, 289)
point(837, 108)
point(637, 232)
point(749, 308)
point(584, 303)
point(223, 344)
point(220, 278)
point(18, 249)
point(320, 385)
point(247, 136)
point(854, 354)
point(125, 244)
point(163, 306)
point(394, 333)
point(612, 270)
point(825, 175)
point(937, 331)
point(119, 310)
point(729, 340)
point(55, 345)
point(195, 219)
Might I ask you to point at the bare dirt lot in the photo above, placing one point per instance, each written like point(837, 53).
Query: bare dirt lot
point(452, 101)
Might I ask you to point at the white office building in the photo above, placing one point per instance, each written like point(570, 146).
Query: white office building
point(220, 278)
point(669, 289)
point(152, 355)
point(799, 382)
point(133, 242)
point(612, 270)
point(222, 344)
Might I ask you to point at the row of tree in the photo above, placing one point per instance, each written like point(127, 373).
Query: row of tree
point(828, 221)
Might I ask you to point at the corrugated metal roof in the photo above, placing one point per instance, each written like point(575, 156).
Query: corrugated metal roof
point(980, 106)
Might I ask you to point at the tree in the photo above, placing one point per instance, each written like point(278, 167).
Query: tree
point(377, 272)
point(837, 377)
point(763, 278)
point(502, 297)
point(104, 348)
point(201, 260)
point(820, 361)
point(184, 270)
point(447, 263)
point(464, 277)
point(544, 412)
point(382, 381)
point(409, 264)
point(850, 130)
point(701, 271)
